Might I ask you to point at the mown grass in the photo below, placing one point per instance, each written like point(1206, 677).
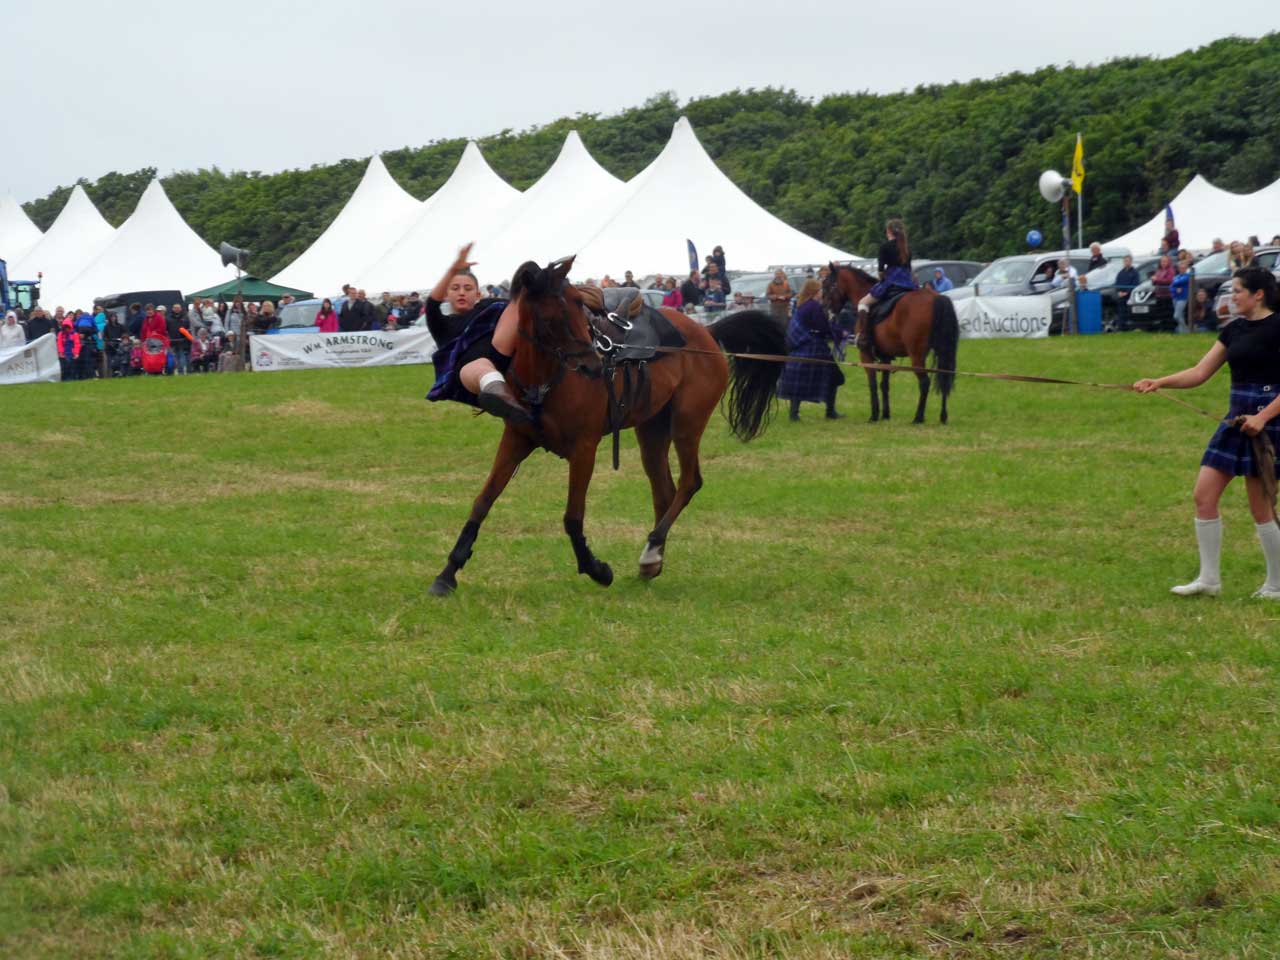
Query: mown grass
point(901, 691)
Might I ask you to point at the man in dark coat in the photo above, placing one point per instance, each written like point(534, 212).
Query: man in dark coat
point(356, 314)
point(38, 324)
point(691, 289)
point(1126, 280)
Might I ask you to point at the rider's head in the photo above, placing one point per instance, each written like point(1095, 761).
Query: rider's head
point(463, 292)
point(896, 231)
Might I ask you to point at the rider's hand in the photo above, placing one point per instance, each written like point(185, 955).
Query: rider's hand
point(1253, 425)
point(462, 262)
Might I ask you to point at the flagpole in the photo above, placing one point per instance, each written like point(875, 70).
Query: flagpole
point(1080, 218)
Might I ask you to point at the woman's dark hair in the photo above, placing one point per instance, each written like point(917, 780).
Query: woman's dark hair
point(1260, 280)
point(467, 273)
point(326, 303)
point(899, 231)
point(135, 306)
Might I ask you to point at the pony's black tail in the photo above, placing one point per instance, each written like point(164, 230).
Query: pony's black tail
point(944, 339)
point(751, 382)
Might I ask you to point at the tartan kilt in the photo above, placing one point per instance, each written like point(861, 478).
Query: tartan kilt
point(471, 344)
point(809, 381)
point(1230, 450)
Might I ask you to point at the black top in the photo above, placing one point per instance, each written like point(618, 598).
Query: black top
point(1096, 262)
point(1253, 349)
point(446, 328)
point(889, 256)
point(1128, 278)
point(691, 292)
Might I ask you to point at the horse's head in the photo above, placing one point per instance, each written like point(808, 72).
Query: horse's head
point(833, 297)
point(544, 300)
point(842, 284)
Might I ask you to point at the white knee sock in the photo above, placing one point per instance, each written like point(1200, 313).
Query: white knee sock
point(1209, 537)
point(491, 381)
point(1269, 537)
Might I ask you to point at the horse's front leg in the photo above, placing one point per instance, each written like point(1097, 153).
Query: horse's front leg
point(871, 383)
point(512, 450)
point(884, 391)
point(582, 463)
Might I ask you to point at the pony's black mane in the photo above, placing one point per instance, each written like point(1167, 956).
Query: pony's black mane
point(857, 272)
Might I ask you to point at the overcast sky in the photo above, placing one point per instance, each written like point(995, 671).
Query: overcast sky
point(272, 84)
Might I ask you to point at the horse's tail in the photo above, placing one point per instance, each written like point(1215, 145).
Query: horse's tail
point(751, 382)
point(944, 339)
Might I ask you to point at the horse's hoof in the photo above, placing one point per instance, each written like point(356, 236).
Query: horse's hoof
point(918, 420)
point(650, 570)
point(441, 587)
point(602, 573)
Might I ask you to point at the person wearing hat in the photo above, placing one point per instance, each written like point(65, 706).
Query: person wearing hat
point(941, 282)
point(11, 333)
point(68, 348)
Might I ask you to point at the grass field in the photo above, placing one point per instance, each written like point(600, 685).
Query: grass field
point(900, 691)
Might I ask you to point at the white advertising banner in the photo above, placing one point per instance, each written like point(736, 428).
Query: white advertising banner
point(35, 362)
point(984, 318)
point(366, 348)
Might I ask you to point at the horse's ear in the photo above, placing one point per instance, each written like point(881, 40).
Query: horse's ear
point(524, 278)
point(559, 269)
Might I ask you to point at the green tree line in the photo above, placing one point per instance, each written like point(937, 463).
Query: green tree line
point(959, 161)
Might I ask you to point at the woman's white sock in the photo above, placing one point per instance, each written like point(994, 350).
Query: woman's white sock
point(1269, 537)
point(491, 379)
point(1209, 537)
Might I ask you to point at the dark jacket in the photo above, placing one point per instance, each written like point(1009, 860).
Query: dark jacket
point(356, 315)
point(691, 292)
point(1128, 278)
point(134, 323)
point(173, 324)
point(38, 327)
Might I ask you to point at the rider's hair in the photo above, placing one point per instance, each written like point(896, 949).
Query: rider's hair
point(898, 229)
point(1259, 279)
point(466, 273)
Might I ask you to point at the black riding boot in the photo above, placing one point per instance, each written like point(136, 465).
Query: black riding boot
point(832, 412)
point(501, 402)
point(795, 409)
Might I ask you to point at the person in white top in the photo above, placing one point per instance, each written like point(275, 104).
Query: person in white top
point(1065, 270)
point(11, 333)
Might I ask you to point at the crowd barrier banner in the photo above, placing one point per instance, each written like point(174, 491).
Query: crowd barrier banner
point(36, 362)
point(985, 318)
point(366, 348)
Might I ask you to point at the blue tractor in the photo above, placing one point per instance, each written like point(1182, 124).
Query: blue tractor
point(17, 293)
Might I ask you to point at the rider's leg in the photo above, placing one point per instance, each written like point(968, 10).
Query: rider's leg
point(485, 376)
point(861, 337)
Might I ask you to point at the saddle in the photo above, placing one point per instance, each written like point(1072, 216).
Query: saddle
point(883, 308)
point(627, 335)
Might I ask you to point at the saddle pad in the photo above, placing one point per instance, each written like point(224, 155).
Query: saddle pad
point(649, 330)
point(885, 307)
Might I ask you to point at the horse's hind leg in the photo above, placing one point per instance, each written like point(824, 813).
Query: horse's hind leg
point(582, 463)
point(654, 437)
point(687, 433)
point(512, 450)
point(923, 379)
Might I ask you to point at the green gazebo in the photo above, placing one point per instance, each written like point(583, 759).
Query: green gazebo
point(252, 288)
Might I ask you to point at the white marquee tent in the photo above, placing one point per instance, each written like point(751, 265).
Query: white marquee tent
point(554, 217)
point(683, 194)
point(379, 211)
point(76, 238)
point(17, 233)
point(1203, 213)
point(472, 203)
point(154, 249)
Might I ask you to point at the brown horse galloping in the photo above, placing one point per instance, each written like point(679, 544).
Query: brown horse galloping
point(555, 360)
point(921, 322)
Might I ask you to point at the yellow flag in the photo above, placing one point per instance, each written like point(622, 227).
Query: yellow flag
point(1077, 166)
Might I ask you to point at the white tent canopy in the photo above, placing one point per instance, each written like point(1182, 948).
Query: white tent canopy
point(154, 249)
point(17, 233)
point(472, 203)
point(554, 217)
point(380, 210)
point(683, 194)
point(1203, 213)
point(76, 238)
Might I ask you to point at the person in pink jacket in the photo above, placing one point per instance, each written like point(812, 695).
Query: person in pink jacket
point(327, 318)
point(673, 297)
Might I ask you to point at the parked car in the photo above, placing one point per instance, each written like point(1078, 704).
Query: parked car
point(749, 289)
point(1026, 274)
point(1149, 312)
point(118, 303)
point(959, 272)
point(300, 316)
point(1103, 280)
point(1266, 257)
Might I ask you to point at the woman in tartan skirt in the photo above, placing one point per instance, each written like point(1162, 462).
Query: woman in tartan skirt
point(1250, 346)
point(810, 335)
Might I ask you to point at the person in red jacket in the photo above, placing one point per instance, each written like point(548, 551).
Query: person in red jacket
point(68, 350)
point(155, 325)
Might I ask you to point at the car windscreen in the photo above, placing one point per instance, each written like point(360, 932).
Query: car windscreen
point(1215, 263)
point(1006, 271)
point(752, 285)
point(298, 315)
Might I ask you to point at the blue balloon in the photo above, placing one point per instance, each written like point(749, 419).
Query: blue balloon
point(1034, 238)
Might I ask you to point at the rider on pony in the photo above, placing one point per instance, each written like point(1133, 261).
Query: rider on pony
point(895, 274)
point(474, 344)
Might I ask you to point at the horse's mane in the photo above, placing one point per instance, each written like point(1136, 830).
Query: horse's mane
point(856, 271)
